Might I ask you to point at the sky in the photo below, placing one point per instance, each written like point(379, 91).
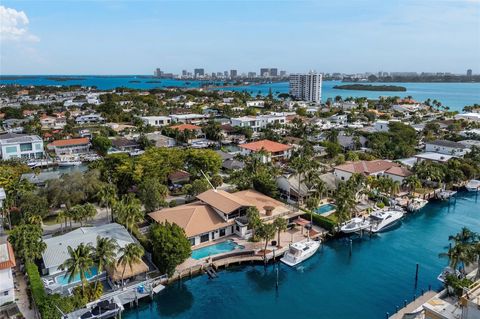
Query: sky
point(135, 37)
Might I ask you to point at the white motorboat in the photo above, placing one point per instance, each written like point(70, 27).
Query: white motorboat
point(449, 271)
point(299, 252)
point(416, 204)
point(354, 225)
point(381, 220)
point(445, 194)
point(473, 185)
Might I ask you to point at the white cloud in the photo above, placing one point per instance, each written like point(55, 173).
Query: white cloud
point(14, 26)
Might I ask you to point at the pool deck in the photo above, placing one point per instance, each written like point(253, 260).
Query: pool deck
point(253, 252)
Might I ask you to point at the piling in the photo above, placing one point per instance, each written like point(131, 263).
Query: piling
point(350, 247)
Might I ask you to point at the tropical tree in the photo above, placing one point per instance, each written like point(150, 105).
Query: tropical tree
point(105, 253)
point(79, 263)
point(254, 221)
point(130, 254)
point(266, 232)
point(412, 182)
point(280, 225)
point(153, 194)
point(128, 211)
point(108, 196)
point(27, 241)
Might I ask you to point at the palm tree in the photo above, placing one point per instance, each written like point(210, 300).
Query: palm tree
point(108, 196)
point(79, 263)
point(465, 236)
point(129, 255)
point(394, 188)
point(412, 182)
point(105, 254)
point(61, 218)
point(128, 211)
point(266, 232)
point(254, 221)
point(458, 253)
point(280, 225)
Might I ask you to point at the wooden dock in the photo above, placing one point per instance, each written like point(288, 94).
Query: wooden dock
point(414, 305)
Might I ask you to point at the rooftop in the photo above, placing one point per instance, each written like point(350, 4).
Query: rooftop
point(183, 127)
point(223, 201)
point(18, 138)
point(70, 142)
point(267, 145)
point(366, 167)
point(7, 258)
point(447, 143)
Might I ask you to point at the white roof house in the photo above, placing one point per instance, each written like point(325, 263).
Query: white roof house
point(56, 252)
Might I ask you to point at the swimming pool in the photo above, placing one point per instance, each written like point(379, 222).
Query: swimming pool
point(63, 279)
point(219, 248)
point(325, 209)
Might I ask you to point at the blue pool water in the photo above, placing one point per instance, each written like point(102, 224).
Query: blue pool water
point(219, 248)
point(325, 209)
point(454, 95)
point(378, 276)
point(63, 279)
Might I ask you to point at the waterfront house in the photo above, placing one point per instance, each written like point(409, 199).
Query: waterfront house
point(217, 214)
point(52, 122)
point(268, 150)
point(196, 130)
point(189, 118)
point(256, 103)
point(257, 123)
point(124, 144)
point(156, 121)
point(160, 140)
point(371, 168)
point(229, 162)
point(89, 119)
point(21, 146)
point(7, 263)
point(73, 146)
point(446, 147)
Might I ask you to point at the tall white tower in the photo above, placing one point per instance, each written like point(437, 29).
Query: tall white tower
point(306, 87)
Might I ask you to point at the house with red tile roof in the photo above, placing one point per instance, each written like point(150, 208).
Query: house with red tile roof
point(7, 262)
point(371, 168)
point(269, 150)
point(70, 146)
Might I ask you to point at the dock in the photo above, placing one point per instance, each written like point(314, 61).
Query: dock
point(413, 309)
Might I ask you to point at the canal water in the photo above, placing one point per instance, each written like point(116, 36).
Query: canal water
point(377, 277)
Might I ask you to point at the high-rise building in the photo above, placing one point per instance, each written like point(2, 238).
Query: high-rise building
point(264, 72)
point(469, 73)
point(273, 72)
point(283, 73)
point(199, 72)
point(233, 74)
point(252, 75)
point(157, 72)
point(225, 74)
point(306, 87)
point(184, 72)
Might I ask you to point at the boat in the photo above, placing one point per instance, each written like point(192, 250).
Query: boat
point(449, 271)
point(445, 194)
point(382, 220)
point(299, 252)
point(69, 163)
point(354, 225)
point(473, 185)
point(416, 204)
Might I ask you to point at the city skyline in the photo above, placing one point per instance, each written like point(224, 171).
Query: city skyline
point(135, 37)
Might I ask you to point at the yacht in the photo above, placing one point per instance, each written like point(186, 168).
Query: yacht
point(449, 271)
point(473, 185)
point(68, 163)
point(445, 194)
point(381, 220)
point(416, 204)
point(354, 225)
point(299, 252)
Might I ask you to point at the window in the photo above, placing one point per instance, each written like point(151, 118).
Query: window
point(38, 147)
point(5, 293)
point(192, 241)
point(222, 232)
point(26, 147)
point(11, 149)
point(204, 238)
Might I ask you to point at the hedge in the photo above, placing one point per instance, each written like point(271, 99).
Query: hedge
point(320, 220)
point(38, 292)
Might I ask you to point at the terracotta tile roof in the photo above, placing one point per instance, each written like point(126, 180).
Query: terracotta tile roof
point(267, 145)
point(260, 201)
point(7, 258)
point(223, 201)
point(399, 171)
point(178, 175)
point(366, 167)
point(183, 127)
point(195, 218)
point(72, 141)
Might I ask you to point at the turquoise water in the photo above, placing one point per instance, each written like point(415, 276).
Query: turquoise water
point(219, 248)
point(378, 276)
point(63, 279)
point(454, 95)
point(325, 209)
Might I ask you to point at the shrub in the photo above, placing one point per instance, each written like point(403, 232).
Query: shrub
point(320, 220)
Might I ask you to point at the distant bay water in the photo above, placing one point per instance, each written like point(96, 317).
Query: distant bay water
point(454, 95)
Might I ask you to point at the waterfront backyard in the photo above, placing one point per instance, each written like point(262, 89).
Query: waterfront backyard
point(378, 276)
